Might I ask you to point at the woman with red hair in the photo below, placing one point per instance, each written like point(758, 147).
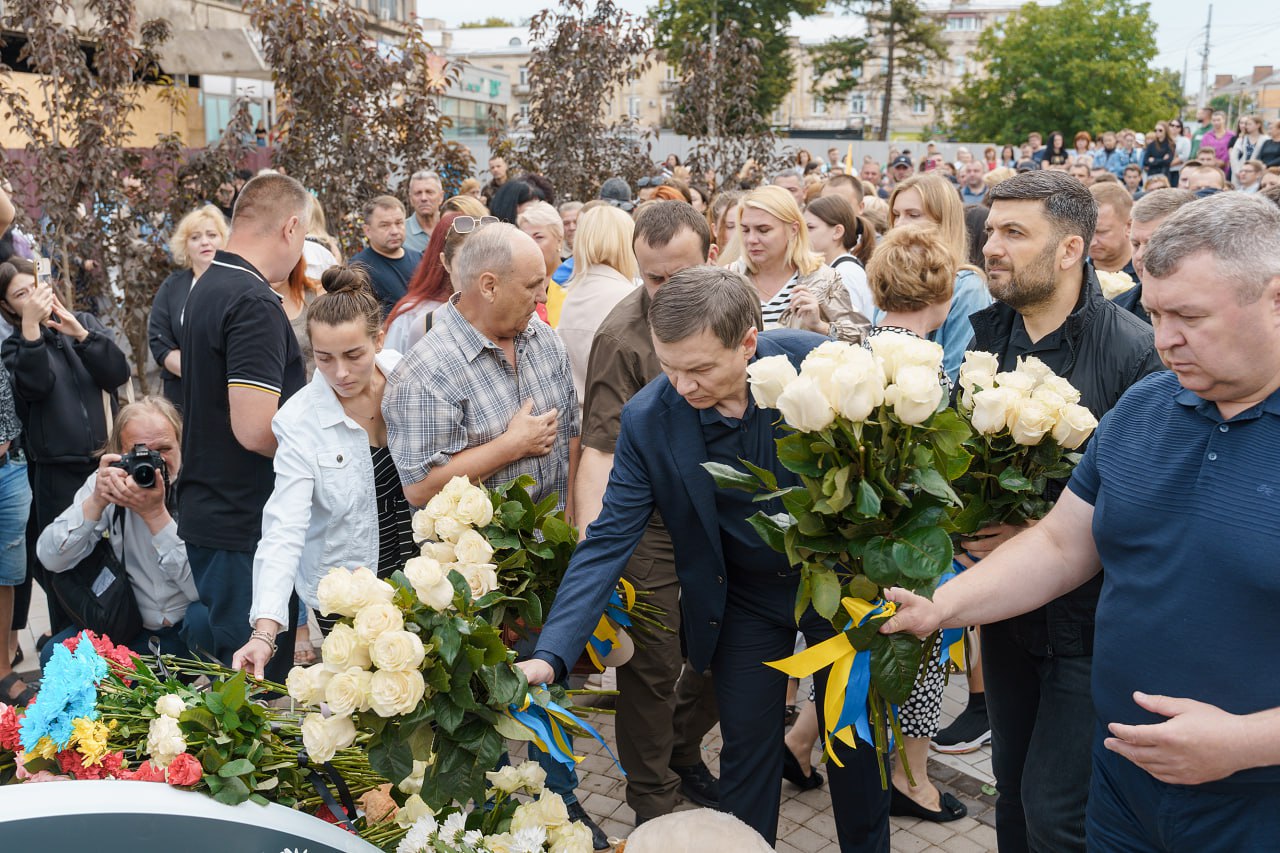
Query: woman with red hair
point(430, 286)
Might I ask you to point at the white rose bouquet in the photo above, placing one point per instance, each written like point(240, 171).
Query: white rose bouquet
point(1027, 424)
point(872, 448)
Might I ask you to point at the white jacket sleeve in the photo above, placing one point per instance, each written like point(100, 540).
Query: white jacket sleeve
point(285, 521)
point(70, 537)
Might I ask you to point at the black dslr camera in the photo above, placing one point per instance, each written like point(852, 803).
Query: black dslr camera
point(144, 465)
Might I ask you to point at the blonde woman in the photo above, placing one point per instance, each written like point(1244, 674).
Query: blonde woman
point(933, 199)
point(321, 249)
point(542, 222)
point(604, 272)
point(467, 205)
point(797, 289)
point(199, 235)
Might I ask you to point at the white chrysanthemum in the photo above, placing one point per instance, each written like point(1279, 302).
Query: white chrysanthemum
point(454, 826)
point(531, 839)
point(420, 835)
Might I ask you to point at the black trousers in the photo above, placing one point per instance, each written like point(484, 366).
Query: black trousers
point(759, 625)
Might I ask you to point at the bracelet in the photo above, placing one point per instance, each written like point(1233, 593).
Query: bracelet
point(266, 638)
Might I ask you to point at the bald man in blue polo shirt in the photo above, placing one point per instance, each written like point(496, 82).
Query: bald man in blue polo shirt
point(1177, 500)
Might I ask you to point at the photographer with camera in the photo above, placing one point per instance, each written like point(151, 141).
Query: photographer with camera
point(127, 502)
point(65, 368)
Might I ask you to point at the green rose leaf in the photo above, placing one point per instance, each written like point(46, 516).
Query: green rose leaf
point(558, 531)
point(923, 554)
point(728, 477)
point(1012, 480)
point(895, 661)
point(826, 590)
point(238, 767)
point(763, 474)
point(878, 562)
point(772, 528)
point(931, 481)
point(391, 758)
point(868, 501)
point(794, 452)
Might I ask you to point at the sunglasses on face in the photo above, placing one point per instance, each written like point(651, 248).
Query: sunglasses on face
point(467, 224)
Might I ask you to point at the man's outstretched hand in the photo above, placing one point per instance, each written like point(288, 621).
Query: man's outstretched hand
point(537, 671)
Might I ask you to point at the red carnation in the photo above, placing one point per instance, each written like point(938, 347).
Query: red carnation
point(146, 772)
point(112, 765)
point(184, 771)
point(9, 729)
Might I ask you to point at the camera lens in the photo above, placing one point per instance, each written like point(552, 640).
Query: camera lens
point(144, 474)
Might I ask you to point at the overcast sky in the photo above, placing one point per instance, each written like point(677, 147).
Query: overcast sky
point(1244, 33)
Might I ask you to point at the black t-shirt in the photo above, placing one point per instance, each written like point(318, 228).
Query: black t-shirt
point(389, 276)
point(1269, 153)
point(234, 334)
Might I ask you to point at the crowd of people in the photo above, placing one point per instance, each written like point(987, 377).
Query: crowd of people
point(310, 403)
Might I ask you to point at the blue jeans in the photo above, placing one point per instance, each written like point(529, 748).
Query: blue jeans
point(1130, 811)
point(225, 582)
point(15, 507)
point(1042, 721)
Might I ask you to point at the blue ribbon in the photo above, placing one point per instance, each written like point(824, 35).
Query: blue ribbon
point(952, 636)
point(549, 734)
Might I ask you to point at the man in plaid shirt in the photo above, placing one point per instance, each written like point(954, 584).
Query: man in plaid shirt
point(487, 393)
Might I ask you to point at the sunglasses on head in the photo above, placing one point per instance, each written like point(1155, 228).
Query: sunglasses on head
point(467, 224)
point(655, 181)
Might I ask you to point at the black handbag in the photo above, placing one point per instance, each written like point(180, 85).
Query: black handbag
point(96, 592)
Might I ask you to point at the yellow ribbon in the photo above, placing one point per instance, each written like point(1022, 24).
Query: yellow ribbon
point(606, 632)
point(839, 654)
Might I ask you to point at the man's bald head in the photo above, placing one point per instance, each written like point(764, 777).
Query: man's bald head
point(267, 202)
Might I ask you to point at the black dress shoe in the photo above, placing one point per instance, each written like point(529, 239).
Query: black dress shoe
point(900, 805)
point(698, 785)
point(792, 772)
point(599, 841)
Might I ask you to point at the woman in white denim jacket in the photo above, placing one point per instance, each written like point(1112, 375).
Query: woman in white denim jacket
point(337, 499)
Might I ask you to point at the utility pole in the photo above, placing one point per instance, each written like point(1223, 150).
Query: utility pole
point(711, 113)
point(1204, 64)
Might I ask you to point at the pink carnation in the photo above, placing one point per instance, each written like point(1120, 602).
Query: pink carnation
point(184, 771)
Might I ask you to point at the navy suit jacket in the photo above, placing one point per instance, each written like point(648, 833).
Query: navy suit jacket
point(657, 464)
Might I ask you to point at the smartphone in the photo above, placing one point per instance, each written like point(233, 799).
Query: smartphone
point(43, 272)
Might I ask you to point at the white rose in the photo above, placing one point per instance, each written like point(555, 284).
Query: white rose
point(474, 508)
point(441, 552)
point(896, 351)
point(1075, 424)
point(449, 529)
point(306, 684)
point(1062, 388)
point(768, 377)
point(430, 581)
point(377, 619)
point(481, 577)
point(532, 777)
point(473, 548)
point(442, 503)
point(805, 407)
point(977, 362)
point(335, 595)
point(457, 487)
point(170, 705)
point(424, 526)
point(546, 812)
point(397, 650)
point(412, 784)
point(570, 838)
point(1029, 421)
point(991, 409)
point(415, 810)
point(858, 386)
point(1023, 383)
point(394, 694)
point(1114, 283)
point(915, 393)
point(821, 363)
point(348, 691)
point(164, 740)
point(506, 779)
point(1035, 368)
point(323, 737)
point(370, 589)
point(1051, 398)
point(342, 649)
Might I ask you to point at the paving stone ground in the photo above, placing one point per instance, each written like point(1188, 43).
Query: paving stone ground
point(805, 824)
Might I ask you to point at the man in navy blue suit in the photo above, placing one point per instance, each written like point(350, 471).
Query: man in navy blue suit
point(737, 594)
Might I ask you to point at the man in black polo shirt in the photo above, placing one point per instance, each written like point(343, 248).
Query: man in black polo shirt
point(240, 361)
point(389, 263)
point(1037, 665)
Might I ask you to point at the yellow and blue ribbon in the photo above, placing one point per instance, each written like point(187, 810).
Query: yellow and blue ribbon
point(953, 638)
point(617, 614)
point(845, 704)
point(547, 721)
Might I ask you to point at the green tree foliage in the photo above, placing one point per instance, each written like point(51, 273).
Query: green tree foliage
point(584, 57)
point(1079, 65)
point(891, 61)
point(681, 23)
point(490, 21)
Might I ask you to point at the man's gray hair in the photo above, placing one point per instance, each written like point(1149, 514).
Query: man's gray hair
point(787, 173)
point(425, 175)
point(705, 297)
point(487, 249)
point(1158, 204)
point(1240, 231)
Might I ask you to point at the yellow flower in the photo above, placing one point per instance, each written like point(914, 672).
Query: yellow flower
point(45, 748)
point(90, 738)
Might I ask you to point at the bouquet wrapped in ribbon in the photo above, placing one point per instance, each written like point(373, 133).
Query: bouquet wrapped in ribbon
point(1026, 425)
point(876, 448)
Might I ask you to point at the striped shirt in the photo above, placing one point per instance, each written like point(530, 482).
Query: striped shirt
point(457, 390)
point(395, 516)
point(771, 310)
